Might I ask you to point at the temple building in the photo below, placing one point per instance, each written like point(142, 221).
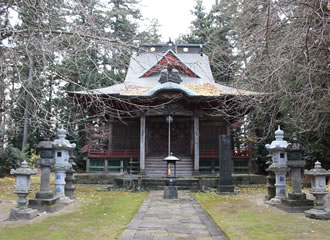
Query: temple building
point(131, 134)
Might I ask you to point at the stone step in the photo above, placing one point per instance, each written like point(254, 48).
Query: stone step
point(155, 166)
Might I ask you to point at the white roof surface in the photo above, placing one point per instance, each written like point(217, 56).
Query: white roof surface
point(137, 85)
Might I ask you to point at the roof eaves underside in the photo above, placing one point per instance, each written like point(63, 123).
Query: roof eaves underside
point(151, 97)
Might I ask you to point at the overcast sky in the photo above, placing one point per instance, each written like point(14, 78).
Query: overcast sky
point(174, 16)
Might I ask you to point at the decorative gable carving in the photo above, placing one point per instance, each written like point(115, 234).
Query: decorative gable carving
point(170, 61)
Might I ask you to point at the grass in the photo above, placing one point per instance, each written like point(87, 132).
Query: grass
point(101, 215)
point(104, 215)
point(244, 216)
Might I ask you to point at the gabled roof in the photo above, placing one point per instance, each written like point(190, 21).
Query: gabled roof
point(170, 61)
point(143, 73)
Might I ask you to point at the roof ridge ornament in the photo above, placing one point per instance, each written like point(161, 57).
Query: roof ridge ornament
point(169, 75)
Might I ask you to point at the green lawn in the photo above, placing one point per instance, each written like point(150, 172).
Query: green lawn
point(101, 215)
point(245, 216)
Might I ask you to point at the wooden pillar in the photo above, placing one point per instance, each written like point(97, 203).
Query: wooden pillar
point(142, 143)
point(87, 165)
point(106, 165)
point(110, 147)
point(196, 145)
point(110, 140)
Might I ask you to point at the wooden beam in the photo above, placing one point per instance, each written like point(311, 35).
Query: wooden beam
point(196, 144)
point(142, 143)
point(171, 112)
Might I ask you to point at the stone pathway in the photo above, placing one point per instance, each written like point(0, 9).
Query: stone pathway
point(160, 219)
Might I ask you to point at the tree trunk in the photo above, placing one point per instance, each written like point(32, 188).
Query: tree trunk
point(2, 109)
point(27, 104)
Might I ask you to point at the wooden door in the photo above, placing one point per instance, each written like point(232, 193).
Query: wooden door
point(157, 143)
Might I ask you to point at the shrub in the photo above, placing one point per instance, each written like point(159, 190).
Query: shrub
point(10, 157)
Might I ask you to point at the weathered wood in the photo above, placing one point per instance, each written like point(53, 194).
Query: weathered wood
point(225, 164)
point(155, 166)
point(110, 144)
point(196, 144)
point(212, 123)
point(142, 143)
point(166, 113)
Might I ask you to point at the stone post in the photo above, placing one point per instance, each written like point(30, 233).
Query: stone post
point(319, 190)
point(46, 161)
point(196, 145)
point(279, 166)
point(142, 144)
point(69, 187)
point(62, 149)
point(45, 200)
point(295, 161)
point(271, 191)
point(225, 165)
point(21, 212)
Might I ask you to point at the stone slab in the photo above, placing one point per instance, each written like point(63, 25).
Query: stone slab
point(318, 214)
point(170, 192)
point(298, 203)
point(168, 219)
point(46, 205)
point(22, 214)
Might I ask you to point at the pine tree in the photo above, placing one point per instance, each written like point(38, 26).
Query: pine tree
point(211, 30)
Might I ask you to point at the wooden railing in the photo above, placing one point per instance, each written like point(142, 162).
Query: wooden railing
point(215, 154)
point(209, 161)
point(98, 151)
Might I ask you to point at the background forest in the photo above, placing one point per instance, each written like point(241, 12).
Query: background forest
point(48, 47)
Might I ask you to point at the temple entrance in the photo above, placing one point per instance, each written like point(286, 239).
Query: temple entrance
point(157, 136)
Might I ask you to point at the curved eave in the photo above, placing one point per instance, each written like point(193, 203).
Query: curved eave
point(170, 86)
point(137, 97)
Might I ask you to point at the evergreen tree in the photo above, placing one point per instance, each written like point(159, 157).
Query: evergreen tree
point(212, 30)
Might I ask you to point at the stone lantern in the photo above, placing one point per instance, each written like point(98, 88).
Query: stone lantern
point(21, 212)
point(69, 178)
point(45, 199)
point(46, 162)
point(295, 162)
point(62, 148)
point(279, 165)
point(171, 189)
point(319, 190)
point(270, 180)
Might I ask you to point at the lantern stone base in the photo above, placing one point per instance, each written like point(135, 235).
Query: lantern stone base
point(22, 214)
point(66, 200)
point(171, 192)
point(226, 189)
point(321, 214)
point(45, 195)
point(69, 192)
point(297, 200)
point(46, 205)
point(275, 201)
